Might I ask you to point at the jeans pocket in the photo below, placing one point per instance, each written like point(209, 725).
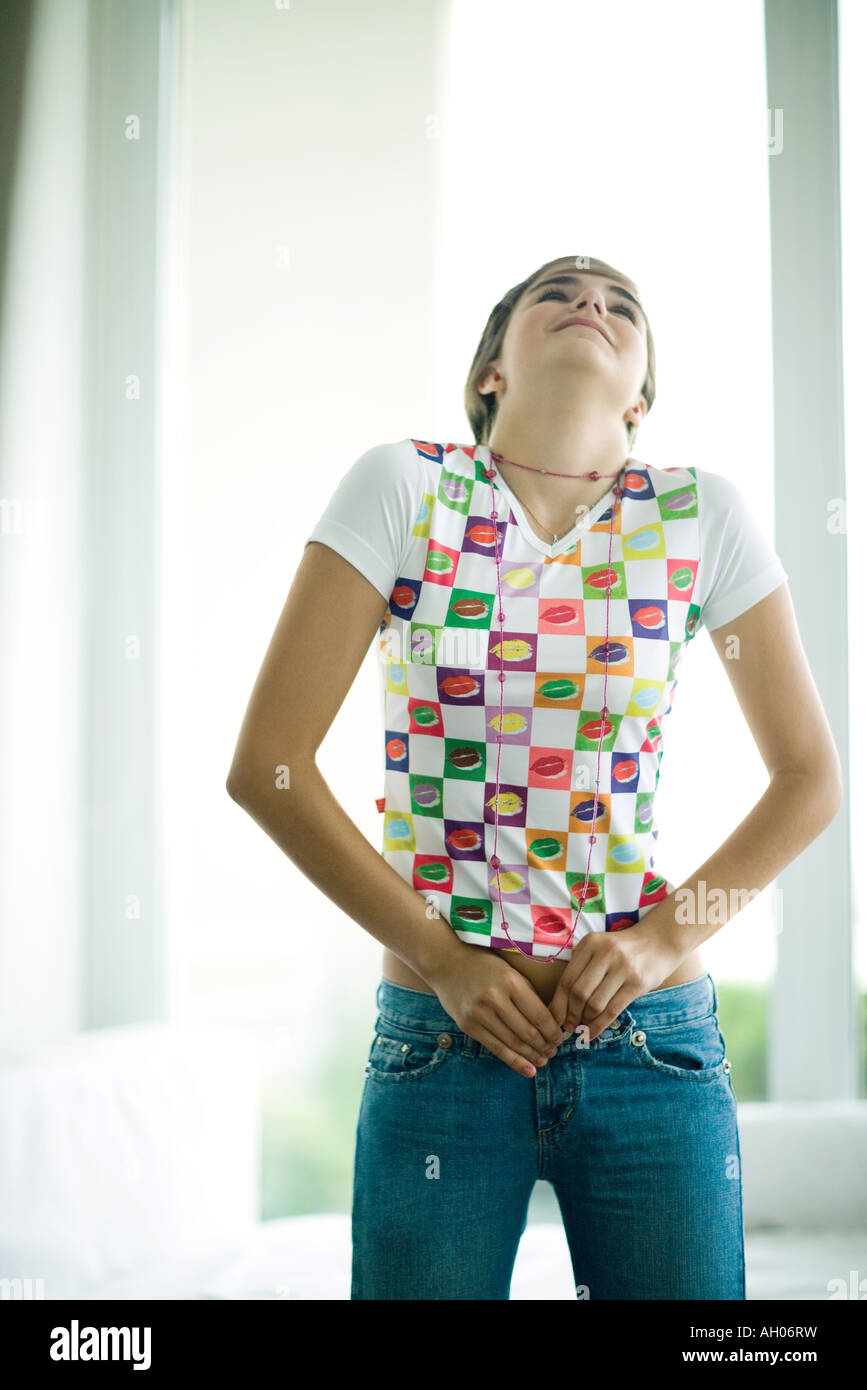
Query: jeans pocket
point(399, 1053)
point(693, 1049)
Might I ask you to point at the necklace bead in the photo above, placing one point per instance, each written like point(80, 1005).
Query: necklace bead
point(594, 475)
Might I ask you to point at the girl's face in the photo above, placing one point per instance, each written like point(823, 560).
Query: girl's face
point(539, 338)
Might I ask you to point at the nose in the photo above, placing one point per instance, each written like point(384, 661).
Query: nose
point(590, 298)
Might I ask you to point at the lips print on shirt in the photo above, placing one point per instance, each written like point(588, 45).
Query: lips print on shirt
point(453, 759)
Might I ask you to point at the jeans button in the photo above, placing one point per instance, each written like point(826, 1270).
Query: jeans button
point(444, 1039)
point(638, 1037)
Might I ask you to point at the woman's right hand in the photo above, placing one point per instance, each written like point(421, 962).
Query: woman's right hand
point(496, 1005)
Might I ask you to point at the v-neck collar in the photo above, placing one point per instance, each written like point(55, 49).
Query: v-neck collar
point(570, 539)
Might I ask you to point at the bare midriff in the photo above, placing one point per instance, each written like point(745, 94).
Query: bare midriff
point(543, 976)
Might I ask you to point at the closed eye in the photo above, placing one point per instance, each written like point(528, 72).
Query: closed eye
point(624, 308)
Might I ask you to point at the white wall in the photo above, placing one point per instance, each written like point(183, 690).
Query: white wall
point(308, 225)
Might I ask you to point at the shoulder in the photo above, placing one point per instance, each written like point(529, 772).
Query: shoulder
point(662, 479)
point(386, 471)
point(673, 489)
point(417, 457)
point(416, 466)
point(397, 456)
point(726, 507)
point(448, 457)
point(718, 491)
point(717, 495)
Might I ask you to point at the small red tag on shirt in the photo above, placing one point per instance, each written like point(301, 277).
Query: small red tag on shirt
point(380, 804)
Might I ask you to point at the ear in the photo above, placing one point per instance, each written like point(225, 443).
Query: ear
point(489, 381)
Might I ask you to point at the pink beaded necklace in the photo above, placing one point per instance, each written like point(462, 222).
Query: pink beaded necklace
point(490, 474)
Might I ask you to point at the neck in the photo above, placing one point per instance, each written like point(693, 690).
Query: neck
point(582, 447)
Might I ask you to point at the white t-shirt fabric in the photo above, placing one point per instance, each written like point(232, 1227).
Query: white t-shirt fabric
point(369, 517)
point(510, 687)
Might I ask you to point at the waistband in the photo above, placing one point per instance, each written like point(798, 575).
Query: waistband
point(414, 1009)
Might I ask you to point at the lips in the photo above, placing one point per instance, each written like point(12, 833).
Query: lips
point(586, 323)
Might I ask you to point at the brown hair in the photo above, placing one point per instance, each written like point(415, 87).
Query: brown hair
point(482, 409)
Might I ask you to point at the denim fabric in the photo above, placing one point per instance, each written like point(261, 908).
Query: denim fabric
point(636, 1132)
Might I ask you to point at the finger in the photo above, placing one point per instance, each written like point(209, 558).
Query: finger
point(593, 977)
point(557, 1006)
point(517, 1061)
point(509, 1038)
point(521, 1033)
point(537, 1014)
point(612, 1010)
point(553, 1011)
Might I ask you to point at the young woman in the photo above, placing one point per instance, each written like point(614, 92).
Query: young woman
point(544, 1010)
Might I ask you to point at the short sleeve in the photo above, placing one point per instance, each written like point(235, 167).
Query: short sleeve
point(739, 566)
point(372, 511)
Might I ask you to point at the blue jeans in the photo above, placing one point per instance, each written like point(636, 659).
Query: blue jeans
point(635, 1131)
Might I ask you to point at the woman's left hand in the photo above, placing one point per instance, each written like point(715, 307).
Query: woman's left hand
point(607, 970)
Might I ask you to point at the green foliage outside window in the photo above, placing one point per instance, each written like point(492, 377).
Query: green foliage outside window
point(309, 1138)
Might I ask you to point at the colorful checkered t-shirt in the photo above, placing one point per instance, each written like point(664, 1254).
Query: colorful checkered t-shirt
point(414, 517)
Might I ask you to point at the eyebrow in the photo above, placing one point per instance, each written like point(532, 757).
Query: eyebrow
point(576, 280)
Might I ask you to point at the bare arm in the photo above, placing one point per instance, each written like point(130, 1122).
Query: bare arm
point(330, 618)
point(765, 662)
point(287, 717)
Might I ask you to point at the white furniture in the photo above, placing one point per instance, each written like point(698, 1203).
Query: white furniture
point(130, 1166)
